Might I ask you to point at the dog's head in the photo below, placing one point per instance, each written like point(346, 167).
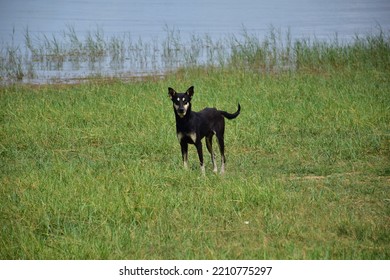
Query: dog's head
point(181, 101)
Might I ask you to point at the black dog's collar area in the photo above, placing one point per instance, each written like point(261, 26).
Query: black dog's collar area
point(189, 137)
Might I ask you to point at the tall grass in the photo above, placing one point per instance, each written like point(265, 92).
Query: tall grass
point(369, 51)
point(11, 60)
point(124, 55)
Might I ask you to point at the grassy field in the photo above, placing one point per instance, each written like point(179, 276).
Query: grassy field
point(94, 171)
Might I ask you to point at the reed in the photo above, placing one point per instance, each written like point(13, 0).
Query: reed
point(277, 52)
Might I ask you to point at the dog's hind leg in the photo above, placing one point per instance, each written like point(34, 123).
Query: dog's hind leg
point(199, 148)
point(222, 151)
point(209, 145)
point(184, 153)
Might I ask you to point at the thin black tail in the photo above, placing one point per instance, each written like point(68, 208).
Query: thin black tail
point(231, 116)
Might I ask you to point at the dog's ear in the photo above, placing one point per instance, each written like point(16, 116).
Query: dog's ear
point(190, 91)
point(171, 92)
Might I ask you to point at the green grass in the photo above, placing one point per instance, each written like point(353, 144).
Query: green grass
point(93, 171)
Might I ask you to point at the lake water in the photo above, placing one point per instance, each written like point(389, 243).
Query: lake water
point(217, 18)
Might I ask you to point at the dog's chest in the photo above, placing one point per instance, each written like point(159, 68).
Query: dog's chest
point(186, 136)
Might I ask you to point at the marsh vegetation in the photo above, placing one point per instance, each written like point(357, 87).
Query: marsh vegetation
point(44, 58)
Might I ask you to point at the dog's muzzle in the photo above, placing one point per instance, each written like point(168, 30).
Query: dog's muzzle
point(181, 112)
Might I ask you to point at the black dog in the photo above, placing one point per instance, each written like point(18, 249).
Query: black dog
point(191, 127)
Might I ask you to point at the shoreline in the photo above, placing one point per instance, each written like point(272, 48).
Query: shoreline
point(44, 61)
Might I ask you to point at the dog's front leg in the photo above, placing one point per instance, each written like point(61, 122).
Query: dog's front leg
point(200, 154)
point(184, 153)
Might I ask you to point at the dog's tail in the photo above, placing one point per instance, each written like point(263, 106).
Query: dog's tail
point(231, 116)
